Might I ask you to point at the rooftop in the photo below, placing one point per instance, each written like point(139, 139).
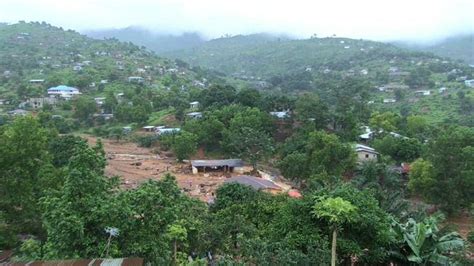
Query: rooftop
point(217, 163)
point(255, 182)
point(360, 147)
point(83, 262)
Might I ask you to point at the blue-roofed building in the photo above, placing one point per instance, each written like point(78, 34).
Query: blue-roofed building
point(63, 91)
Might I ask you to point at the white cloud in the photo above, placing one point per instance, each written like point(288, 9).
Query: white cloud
point(371, 19)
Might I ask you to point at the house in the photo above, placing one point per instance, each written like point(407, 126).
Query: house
point(136, 79)
point(281, 115)
point(149, 128)
point(18, 112)
point(256, 183)
point(63, 91)
point(77, 68)
point(126, 130)
point(194, 115)
point(389, 100)
point(37, 103)
point(367, 135)
point(228, 165)
point(99, 100)
point(4, 101)
point(164, 131)
point(365, 153)
point(469, 83)
point(194, 105)
point(422, 93)
point(442, 90)
point(36, 81)
point(104, 116)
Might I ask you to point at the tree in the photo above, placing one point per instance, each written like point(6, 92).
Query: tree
point(176, 232)
point(249, 97)
point(422, 178)
point(218, 95)
point(74, 215)
point(401, 149)
point(327, 154)
point(310, 106)
point(184, 145)
point(337, 211)
point(452, 156)
point(417, 127)
point(23, 153)
point(249, 143)
point(387, 121)
point(84, 108)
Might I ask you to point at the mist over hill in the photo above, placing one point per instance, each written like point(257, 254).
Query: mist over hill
point(459, 47)
point(157, 42)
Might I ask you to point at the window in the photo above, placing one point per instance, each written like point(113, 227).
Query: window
point(366, 156)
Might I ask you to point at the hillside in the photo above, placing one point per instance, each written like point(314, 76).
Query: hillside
point(319, 64)
point(156, 42)
point(52, 56)
point(456, 47)
point(263, 56)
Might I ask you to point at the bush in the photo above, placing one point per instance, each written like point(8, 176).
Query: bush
point(146, 141)
point(470, 236)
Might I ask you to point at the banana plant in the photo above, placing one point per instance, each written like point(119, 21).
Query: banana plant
point(423, 243)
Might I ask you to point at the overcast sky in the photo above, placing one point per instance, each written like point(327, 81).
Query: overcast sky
point(369, 19)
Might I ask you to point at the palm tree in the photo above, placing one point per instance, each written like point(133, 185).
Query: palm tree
point(423, 242)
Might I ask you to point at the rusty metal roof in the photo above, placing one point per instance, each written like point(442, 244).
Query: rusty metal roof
point(81, 262)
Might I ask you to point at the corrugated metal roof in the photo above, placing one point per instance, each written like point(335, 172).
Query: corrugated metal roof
point(218, 163)
point(82, 262)
point(255, 182)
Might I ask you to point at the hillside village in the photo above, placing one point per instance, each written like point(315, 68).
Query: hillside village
point(202, 159)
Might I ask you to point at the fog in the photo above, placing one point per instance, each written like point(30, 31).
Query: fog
point(412, 20)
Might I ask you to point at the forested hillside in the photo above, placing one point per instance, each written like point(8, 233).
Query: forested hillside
point(391, 73)
point(108, 151)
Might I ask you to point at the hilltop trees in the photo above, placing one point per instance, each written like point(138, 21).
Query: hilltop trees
point(316, 154)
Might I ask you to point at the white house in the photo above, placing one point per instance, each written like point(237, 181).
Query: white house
point(164, 131)
point(442, 90)
point(423, 93)
point(194, 105)
point(36, 81)
point(469, 83)
point(365, 153)
point(281, 114)
point(389, 101)
point(63, 91)
point(136, 79)
point(194, 115)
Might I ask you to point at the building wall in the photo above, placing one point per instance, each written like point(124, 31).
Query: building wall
point(365, 156)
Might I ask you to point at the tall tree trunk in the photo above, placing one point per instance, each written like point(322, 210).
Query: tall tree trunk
point(333, 248)
point(174, 253)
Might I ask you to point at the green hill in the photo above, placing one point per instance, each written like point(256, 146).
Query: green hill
point(265, 56)
point(39, 51)
point(319, 64)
